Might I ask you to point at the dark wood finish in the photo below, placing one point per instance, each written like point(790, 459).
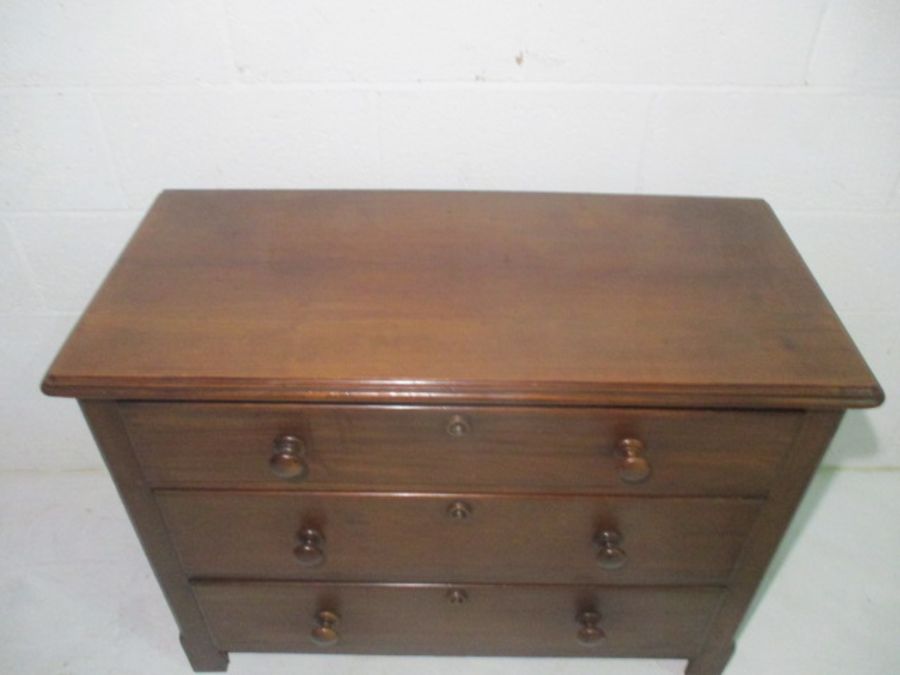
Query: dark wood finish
point(506, 449)
point(590, 634)
point(288, 459)
point(633, 465)
point(418, 619)
point(381, 296)
point(455, 423)
point(610, 554)
point(106, 426)
point(310, 548)
point(402, 537)
point(325, 632)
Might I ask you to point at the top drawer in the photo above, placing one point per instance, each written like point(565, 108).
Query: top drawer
point(517, 449)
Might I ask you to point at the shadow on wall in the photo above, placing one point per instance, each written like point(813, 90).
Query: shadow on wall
point(817, 489)
point(855, 439)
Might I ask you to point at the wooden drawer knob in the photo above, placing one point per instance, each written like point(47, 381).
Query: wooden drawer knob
point(609, 555)
point(287, 460)
point(589, 632)
point(633, 466)
point(458, 426)
point(325, 633)
point(309, 551)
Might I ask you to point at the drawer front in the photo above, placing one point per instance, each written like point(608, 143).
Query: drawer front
point(432, 448)
point(457, 537)
point(438, 619)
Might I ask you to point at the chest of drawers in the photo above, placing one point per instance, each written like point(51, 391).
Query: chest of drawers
point(460, 423)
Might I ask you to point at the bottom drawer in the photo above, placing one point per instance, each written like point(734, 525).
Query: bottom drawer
point(470, 619)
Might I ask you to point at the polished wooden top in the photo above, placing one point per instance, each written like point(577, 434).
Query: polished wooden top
point(474, 297)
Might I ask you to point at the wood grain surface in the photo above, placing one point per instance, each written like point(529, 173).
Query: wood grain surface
point(407, 537)
point(415, 619)
point(415, 422)
point(431, 296)
point(690, 452)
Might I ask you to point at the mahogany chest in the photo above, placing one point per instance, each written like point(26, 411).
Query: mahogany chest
point(460, 423)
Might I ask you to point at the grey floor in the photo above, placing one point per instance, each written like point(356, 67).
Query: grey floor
point(78, 597)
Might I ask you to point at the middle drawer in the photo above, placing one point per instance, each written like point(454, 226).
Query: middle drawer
point(456, 537)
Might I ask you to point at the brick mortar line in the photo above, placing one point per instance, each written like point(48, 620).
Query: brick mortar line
point(31, 276)
point(888, 91)
point(814, 44)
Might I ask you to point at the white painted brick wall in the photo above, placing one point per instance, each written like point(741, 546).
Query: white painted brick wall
point(240, 137)
point(52, 151)
point(103, 104)
point(91, 42)
point(512, 138)
point(858, 45)
point(68, 253)
point(640, 41)
point(798, 149)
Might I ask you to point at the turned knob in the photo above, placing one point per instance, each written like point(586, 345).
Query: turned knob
point(325, 633)
point(287, 460)
point(309, 551)
point(458, 426)
point(633, 466)
point(609, 555)
point(589, 632)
